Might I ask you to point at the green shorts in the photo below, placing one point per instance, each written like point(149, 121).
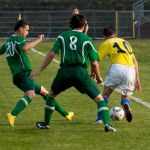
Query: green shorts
point(77, 77)
point(23, 81)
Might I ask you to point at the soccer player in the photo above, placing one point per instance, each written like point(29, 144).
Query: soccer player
point(76, 50)
point(123, 71)
point(16, 49)
point(76, 11)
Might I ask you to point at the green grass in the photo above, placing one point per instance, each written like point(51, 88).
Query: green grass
point(79, 134)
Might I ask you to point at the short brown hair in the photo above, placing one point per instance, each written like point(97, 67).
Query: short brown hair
point(108, 31)
point(20, 23)
point(77, 21)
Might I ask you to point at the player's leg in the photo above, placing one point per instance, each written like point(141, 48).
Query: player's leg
point(49, 109)
point(20, 106)
point(106, 93)
point(103, 110)
point(127, 88)
point(110, 84)
point(125, 102)
point(23, 102)
point(57, 86)
point(26, 84)
point(68, 115)
point(40, 90)
point(99, 117)
point(86, 85)
point(112, 81)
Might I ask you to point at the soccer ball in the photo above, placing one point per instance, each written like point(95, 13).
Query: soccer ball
point(117, 113)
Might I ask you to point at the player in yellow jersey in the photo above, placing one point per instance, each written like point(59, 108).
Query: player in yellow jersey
point(123, 71)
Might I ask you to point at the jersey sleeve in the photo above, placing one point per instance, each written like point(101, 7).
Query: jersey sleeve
point(2, 49)
point(102, 51)
point(57, 45)
point(21, 42)
point(92, 52)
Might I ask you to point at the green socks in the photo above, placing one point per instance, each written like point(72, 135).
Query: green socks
point(22, 103)
point(49, 108)
point(58, 108)
point(104, 111)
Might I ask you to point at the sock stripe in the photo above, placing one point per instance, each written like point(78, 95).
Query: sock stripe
point(49, 107)
point(25, 101)
point(102, 108)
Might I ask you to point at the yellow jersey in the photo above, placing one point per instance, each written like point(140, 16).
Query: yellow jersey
point(118, 50)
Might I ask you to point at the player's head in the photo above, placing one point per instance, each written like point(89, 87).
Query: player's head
point(77, 22)
point(75, 11)
point(22, 28)
point(109, 32)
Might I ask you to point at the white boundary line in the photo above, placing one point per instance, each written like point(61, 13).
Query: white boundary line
point(138, 100)
point(42, 54)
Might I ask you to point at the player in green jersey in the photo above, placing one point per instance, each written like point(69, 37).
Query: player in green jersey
point(76, 50)
point(16, 49)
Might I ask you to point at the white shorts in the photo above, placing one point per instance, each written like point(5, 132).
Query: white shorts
point(121, 76)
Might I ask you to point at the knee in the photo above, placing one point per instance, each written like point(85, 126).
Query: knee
point(52, 94)
point(31, 95)
point(43, 91)
point(106, 98)
point(99, 98)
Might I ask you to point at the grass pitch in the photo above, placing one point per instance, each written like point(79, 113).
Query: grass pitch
point(80, 133)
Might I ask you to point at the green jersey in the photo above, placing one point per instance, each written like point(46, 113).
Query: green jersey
point(17, 58)
point(76, 48)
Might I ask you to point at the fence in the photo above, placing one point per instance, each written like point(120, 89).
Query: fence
point(51, 23)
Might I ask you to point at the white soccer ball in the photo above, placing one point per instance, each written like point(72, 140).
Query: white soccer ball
point(117, 113)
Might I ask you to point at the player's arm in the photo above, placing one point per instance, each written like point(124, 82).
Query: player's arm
point(86, 28)
point(32, 44)
point(49, 57)
point(137, 82)
point(2, 49)
point(101, 54)
point(95, 72)
point(93, 57)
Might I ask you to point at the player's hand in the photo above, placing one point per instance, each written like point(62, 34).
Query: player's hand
point(41, 37)
point(99, 80)
point(35, 74)
point(138, 87)
point(93, 76)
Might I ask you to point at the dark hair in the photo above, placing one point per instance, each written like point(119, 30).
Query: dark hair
point(108, 31)
point(77, 21)
point(20, 23)
point(75, 8)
